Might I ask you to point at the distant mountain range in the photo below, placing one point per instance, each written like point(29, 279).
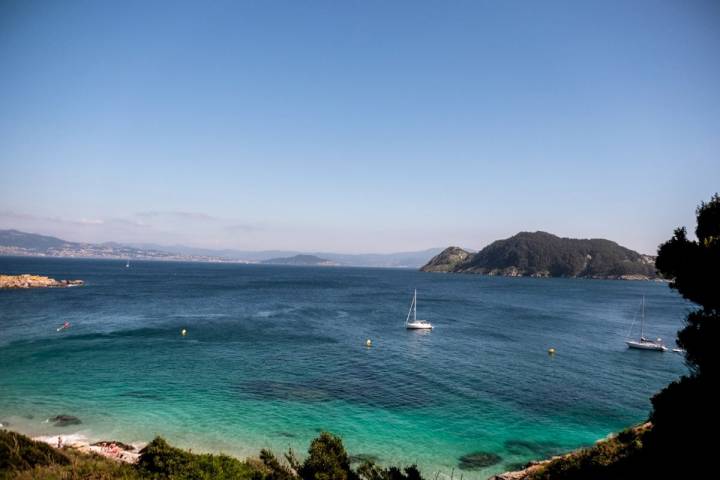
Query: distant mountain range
point(397, 259)
point(541, 254)
point(301, 260)
point(14, 242)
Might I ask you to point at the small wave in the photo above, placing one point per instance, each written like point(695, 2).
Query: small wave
point(67, 439)
point(200, 315)
point(274, 313)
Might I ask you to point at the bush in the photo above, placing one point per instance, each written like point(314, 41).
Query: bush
point(327, 460)
point(619, 457)
point(18, 452)
point(159, 460)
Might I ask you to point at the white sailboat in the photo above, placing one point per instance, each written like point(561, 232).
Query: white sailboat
point(645, 343)
point(127, 265)
point(416, 324)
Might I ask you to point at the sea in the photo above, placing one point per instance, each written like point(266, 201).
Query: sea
point(274, 355)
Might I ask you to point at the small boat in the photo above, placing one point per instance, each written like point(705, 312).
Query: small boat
point(416, 324)
point(645, 343)
point(127, 265)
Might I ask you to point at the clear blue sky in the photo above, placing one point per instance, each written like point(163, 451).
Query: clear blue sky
point(360, 126)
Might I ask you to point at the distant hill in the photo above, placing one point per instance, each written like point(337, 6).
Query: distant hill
point(300, 260)
point(14, 242)
point(396, 259)
point(541, 254)
point(30, 241)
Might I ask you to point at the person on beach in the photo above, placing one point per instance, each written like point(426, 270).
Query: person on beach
point(59, 441)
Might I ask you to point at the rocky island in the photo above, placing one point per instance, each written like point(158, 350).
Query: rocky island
point(35, 281)
point(541, 254)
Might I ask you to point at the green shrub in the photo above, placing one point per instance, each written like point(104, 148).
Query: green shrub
point(18, 452)
point(618, 457)
point(159, 460)
point(274, 470)
point(327, 460)
point(370, 471)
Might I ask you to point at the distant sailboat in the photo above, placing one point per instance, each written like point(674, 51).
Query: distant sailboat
point(416, 324)
point(127, 265)
point(644, 343)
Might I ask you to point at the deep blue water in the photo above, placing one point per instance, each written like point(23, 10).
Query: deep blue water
point(275, 354)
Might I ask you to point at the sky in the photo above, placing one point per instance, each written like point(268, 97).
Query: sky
point(357, 126)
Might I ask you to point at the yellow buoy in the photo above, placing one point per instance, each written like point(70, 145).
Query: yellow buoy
point(368, 343)
point(183, 332)
point(551, 351)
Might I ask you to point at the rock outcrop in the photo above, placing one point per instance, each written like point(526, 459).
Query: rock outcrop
point(447, 260)
point(35, 281)
point(65, 420)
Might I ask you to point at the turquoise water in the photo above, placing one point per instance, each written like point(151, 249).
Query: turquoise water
point(276, 354)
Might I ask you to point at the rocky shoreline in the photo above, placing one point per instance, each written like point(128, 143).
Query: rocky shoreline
point(35, 281)
point(113, 450)
point(535, 468)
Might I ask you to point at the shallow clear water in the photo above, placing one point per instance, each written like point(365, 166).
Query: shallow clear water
point(276, 354)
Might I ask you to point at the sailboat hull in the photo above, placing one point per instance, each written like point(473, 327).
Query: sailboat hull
point(419, 325)
point(646, 346)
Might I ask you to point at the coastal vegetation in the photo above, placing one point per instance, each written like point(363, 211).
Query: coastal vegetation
point(22, 458)
point(541, 254)
point(676, 442)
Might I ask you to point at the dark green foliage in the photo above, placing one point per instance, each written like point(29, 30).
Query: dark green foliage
point(327, 460)
point(685, 410)
point(542, 253)
point(18, 452)
point(618, 458)
point(708, 219)
point(275, 470)
point(370, 471)
point(160, 460)
point(699, 339)
point(24, 459)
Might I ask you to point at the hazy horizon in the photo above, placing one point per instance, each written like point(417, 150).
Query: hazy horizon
point(367, 127)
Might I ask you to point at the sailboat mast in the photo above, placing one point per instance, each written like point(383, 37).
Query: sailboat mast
point(415, 306)
point(642, 318)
